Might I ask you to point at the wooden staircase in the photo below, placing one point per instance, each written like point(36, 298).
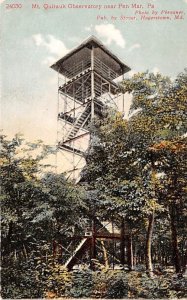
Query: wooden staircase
point(79, 123)
point(78, 252)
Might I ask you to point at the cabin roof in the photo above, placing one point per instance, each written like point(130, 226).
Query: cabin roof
point(78, 54)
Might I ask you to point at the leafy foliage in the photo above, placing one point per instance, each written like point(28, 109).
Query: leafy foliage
point(135, 173)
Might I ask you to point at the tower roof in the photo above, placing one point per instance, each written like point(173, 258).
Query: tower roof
point(83, 51)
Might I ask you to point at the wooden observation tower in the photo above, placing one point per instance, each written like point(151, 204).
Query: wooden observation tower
point(86, 85)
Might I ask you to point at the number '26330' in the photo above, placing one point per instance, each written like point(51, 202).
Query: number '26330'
point(13, 5)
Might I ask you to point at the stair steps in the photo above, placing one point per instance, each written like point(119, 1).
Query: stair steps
point(77, 254)
point(78, 124)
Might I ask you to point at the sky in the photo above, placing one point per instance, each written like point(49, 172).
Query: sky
point(34, 38)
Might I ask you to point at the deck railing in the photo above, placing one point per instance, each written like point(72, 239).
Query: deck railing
point(104, 70)
point(99, 66)
point(78, 68)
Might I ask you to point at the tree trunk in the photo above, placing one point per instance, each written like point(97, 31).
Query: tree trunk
point(149, 265)
point(130, 252)
point(25, 252)
point(105, 256)
point(7, 242)
point(176, 255)
point(122, 243)
point(93, 239)
point(93, 245)
point(135, 256)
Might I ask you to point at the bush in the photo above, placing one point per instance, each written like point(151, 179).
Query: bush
point(50, 280)
point(117, 289)
point(21, 280)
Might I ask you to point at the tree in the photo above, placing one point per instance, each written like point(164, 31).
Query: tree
point(122, 162)
point(36, 211)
